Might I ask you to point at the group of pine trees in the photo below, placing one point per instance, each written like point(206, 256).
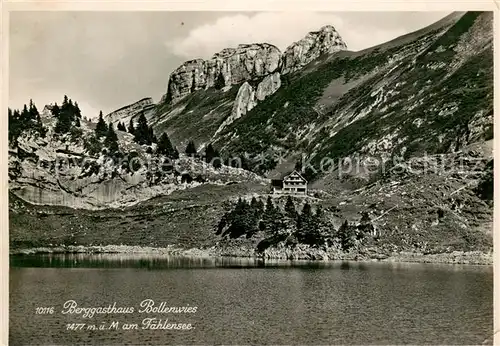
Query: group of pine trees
point(166, 148)
point(143, 134)
point(28, 118)
point(68, 116)
point(211, 155)
point(104, 137)
point(305, 227)
point(248, 218)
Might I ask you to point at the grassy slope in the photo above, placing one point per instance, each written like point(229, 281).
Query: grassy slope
point(423, 213)
point(470, 87)
point(196, 117)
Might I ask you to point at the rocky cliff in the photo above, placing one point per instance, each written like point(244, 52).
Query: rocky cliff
point(249, 96)
point(231, 83)
point(59, 170)
point(130, 111)
point(230, 66)
point(233, 66)
point(316, 43)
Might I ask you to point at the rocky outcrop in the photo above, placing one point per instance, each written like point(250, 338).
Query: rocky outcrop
point(130, 111)
point(58, 170)
point(248, 97)
point(228, 67)
point(269, 85)
point(245, 101)
point(249, 61)
point(47, 111)
point(325, 41)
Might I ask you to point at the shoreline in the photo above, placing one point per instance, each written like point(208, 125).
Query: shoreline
point(311, 254)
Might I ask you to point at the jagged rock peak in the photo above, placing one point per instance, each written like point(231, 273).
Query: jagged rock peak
point(233, 66)
point(315, 43)
point(228, 67)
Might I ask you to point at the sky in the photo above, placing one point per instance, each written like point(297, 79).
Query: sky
point(106, 60)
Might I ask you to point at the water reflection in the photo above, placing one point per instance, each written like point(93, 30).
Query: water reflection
point(164, 261)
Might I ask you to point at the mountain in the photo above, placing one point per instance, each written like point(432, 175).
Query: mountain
point(401, 132)
point(373, 102)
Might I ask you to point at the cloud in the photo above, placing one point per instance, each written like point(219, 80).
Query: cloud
point(284, 28)
point(278, 28)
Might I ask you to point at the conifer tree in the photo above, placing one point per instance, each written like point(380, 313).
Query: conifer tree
point(272, 219)
point(142, 133)
point(121, 126)
point(25, 115)
point(253, 202)
point(55, 110)
point(191, 149)
point(33, 111)
point(347, 236)
point(65, 118)
point(176, 153)
point(290, 208)
point(269, 204)
point(165, 147)
point(151, 136)
point(111, 140)
point(131, 128)
point(101, 128)
point(210, 153)
point(257, 206)
point(78, 112)
point(13, 122)
point(305, 224)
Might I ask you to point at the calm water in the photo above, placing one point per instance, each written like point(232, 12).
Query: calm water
point(251, 302)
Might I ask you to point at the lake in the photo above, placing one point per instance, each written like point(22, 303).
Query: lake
point(245, 301)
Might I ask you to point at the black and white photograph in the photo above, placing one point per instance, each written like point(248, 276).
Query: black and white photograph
point(250, 177)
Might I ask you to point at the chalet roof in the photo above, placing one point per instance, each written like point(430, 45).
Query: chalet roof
point(295, 173)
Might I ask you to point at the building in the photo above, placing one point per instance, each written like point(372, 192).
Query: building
point(292, 184)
